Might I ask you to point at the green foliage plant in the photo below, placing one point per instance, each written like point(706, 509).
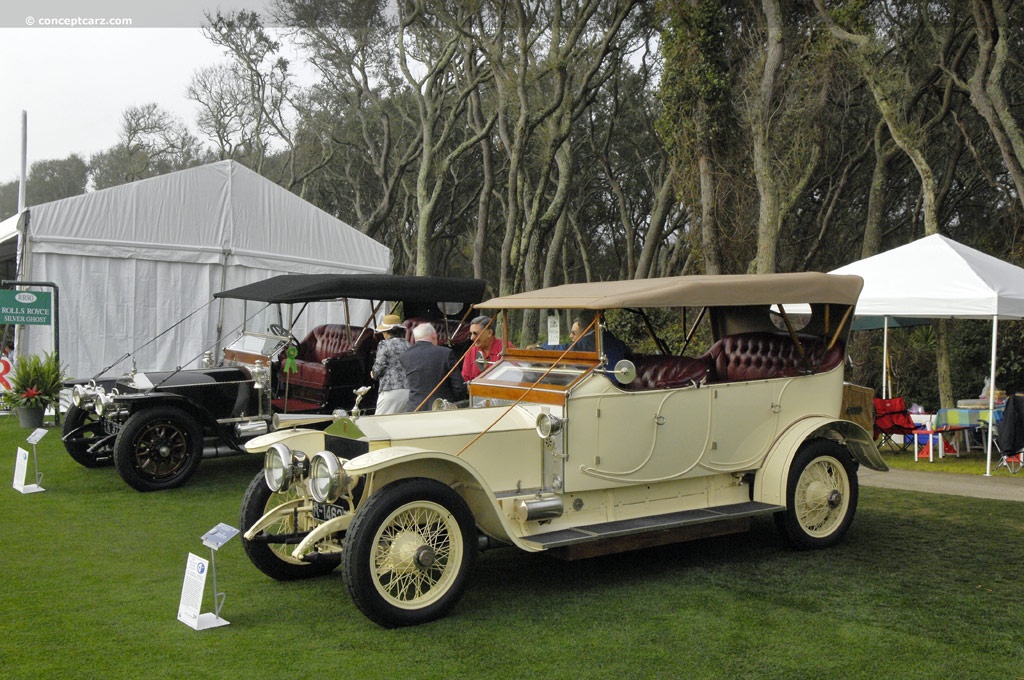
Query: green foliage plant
point(36, 381)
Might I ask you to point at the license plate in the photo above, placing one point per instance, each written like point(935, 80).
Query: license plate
point(326, 511)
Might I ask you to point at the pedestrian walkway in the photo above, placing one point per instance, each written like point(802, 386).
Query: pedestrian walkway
point(977, 486)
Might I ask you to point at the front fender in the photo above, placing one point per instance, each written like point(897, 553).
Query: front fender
point(298, 439)
point(387, 465)
point(770, 482)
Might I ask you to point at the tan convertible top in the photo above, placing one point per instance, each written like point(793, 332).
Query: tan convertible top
point(689, 291)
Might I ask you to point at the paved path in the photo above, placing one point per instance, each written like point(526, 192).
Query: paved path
point(979, 486)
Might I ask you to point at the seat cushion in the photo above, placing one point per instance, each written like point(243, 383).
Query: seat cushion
point(762, 356)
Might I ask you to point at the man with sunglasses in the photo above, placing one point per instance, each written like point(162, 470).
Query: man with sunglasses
point(481, 331)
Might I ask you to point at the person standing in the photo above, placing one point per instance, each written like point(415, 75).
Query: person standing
point(484, 344)
point(426, 365)
point(393, 391)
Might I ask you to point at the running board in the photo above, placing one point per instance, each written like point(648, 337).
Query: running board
point(644, 532)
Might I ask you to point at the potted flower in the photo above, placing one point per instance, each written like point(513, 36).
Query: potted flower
point(36, 382)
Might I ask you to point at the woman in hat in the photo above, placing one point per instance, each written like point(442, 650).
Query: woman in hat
point(393, 392)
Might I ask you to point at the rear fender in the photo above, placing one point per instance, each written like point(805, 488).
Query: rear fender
point(770, 482)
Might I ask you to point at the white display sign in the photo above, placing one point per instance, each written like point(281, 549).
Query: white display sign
point(196, 569)
point(554, 331)
point(20, 469)
point(192, 590)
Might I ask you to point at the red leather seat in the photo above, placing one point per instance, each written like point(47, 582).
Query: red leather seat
point(322, 343)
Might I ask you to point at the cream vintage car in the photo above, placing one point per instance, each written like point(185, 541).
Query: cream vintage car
point(559, 452)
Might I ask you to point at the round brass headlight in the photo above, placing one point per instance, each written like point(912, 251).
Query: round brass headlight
point(548, 425)
point(324, 477)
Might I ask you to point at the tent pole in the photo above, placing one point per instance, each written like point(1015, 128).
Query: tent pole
point(991, 398)
point(885, 359)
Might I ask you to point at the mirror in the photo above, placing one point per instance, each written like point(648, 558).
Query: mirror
point(625, 371)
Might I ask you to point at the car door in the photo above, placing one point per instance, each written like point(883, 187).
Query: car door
point(634, 437)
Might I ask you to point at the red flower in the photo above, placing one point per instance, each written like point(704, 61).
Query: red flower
point(30, 393)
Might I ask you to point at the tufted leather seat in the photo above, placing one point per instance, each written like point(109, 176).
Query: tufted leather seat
point(322, 343)
point(761, 356)
point(665, 371)
point(744, 356)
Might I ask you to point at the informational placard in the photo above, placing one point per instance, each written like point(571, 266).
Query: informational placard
point(219, 535)
point(192, 589)
point(25, 307)
point(554, 332)
point(37, 434)
point(20, 470)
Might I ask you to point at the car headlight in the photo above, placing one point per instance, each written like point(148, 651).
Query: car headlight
point(327, 478)
point(104, 404)
point(548, 425)
point(282, 466)
point(84, 396)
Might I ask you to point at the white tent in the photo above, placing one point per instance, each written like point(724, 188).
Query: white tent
point(132, 260)
point(936, 277)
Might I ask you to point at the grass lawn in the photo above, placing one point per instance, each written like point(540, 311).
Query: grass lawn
point(969, 462)
point(925, 586)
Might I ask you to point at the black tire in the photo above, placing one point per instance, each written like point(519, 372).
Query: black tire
point(158, 448)
point(274, 559)
point(397, 573)
point(81, 430)
point(821, 496)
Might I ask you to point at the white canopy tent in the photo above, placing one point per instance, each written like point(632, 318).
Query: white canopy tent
point(935, 278)
point(132, 260)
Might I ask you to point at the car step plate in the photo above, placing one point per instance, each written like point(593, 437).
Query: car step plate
point(606, 530)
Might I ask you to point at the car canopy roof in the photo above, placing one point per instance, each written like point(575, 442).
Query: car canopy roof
point(297, 288)
point(689, 291)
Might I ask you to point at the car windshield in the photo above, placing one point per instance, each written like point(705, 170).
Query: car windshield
point(257, 343)
point(515, 371)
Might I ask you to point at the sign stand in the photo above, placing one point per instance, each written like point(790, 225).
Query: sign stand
point(195, 582)
point(21, 465)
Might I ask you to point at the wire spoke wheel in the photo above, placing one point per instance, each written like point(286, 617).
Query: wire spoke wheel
point(271, 551)
point(414, 553)
point(408, 552)
point(821, 496)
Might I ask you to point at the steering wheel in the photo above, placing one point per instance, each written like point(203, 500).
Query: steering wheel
point(278, 329)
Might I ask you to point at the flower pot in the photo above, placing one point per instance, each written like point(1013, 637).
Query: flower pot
point(29, 417)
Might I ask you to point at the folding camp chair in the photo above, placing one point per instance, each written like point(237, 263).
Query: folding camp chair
point(891, 419)
point(1009, 433)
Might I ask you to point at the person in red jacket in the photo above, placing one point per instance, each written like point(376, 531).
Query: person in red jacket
point(481, 330)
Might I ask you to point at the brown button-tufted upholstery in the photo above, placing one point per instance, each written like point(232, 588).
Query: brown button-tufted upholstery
point(760, 356)
point(663, 371)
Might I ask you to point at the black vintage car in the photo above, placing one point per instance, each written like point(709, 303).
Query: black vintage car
point(155, 426)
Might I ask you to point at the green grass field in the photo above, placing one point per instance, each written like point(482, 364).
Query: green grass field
point(925, 586)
